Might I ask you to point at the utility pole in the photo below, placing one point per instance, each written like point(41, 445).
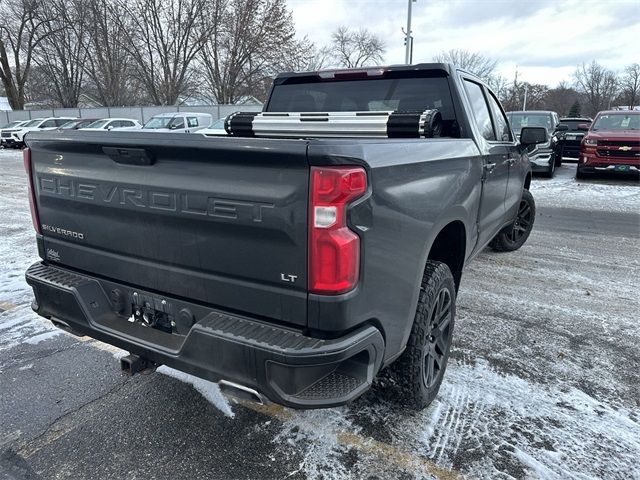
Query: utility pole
point(408, 39)
point(526, 90)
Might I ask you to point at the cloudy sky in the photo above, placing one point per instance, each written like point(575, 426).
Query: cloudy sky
point(545, 39)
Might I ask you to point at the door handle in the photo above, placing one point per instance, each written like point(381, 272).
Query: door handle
point(489, 167)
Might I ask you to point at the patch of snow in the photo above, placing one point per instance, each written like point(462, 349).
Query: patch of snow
point(18, 250)
point(36, 339)
point(615, 194)
point(22, 325)
point(209, 390)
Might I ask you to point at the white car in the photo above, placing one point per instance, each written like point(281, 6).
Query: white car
point(215, 129)
point(178, 122)
point(16, 135)
point(113, 124)
point(8, 127)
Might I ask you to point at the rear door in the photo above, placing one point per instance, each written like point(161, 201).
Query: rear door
point(221, 221)
point(495, 159)
point(515, 158)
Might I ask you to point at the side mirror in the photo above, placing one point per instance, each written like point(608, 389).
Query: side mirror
point(562, 127)
point(583, 126)
point(110, 127)
point(533, 136)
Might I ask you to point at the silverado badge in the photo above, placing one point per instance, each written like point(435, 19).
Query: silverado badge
point(624, 149)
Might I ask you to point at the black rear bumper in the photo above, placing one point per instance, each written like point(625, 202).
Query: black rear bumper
point(282, 364)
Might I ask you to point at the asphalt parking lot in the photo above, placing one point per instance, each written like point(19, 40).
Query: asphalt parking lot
point(544, 380)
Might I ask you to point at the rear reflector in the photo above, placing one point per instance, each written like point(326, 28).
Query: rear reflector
point(334, 250)
point(26, 156)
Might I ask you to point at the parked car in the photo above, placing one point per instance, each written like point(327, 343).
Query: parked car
point(612, 144)
point(543, 160)
point(179, 122)
point(15, 136)
point(566, 140)
point(77, 124)
point(113, 124)
point(5, 130)
point(288, 269)
point(215, 129)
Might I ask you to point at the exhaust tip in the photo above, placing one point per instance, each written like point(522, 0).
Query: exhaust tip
point(241, 392)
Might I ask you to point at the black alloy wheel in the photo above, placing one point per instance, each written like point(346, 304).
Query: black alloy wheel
point(439, 339)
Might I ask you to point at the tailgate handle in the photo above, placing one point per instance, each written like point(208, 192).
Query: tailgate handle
point(129, 156)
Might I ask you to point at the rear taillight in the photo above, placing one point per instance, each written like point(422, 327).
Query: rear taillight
point(334, 250)
point(26, 155)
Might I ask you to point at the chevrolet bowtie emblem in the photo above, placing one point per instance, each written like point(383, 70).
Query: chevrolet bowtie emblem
point(624, 149)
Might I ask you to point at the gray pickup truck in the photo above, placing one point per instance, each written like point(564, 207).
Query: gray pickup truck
point(291, 262)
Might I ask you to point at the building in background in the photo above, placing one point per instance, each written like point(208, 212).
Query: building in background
point(4, 104)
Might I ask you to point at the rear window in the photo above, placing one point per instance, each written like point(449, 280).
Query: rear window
point(573, 124)
point(372, 94)
point(403, 94)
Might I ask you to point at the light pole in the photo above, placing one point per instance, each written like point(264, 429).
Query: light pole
point(408, 39)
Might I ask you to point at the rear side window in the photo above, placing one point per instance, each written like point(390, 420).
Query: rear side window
point(177, 122)
point(480, 109)
point(192, 121)
point(502, 126)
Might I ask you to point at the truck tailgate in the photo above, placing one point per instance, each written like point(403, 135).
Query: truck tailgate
point(218, 221)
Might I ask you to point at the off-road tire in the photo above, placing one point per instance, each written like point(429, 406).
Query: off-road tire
point(552, 169)
point(415, 388)
point(580, 175)
point(514, 236)
point(558, 158)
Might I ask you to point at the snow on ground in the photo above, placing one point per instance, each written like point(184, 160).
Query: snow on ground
point(208, 390)
point(591, 194)
point(17, 251)
point(484, 424)
point(544, 379)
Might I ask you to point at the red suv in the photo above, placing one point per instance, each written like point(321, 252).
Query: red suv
point(612, 144)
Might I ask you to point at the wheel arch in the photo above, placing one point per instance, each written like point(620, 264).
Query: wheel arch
point(449, 247)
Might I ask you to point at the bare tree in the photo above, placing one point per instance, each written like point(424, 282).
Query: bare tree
point(109, 66)
point(164, 38)
point(22, 29)
point(499, 85)
point(561, 99)
point(630, 85)
point(353, 49)
point(598, 85)
point(475, 63)
point(61, 54)
point(308, 57)
point(250, 41)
